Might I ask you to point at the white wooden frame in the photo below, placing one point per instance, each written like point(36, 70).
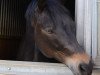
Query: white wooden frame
point(32, 68)
point(86, 20)
point(35, 68)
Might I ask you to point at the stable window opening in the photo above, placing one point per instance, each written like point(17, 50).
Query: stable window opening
point(13, 27)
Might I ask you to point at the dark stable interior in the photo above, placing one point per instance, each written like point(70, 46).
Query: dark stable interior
point(13, 26)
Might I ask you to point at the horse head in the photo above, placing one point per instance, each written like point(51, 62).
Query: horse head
point(54, 33)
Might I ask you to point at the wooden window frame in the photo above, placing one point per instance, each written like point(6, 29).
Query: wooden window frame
point(86, 20)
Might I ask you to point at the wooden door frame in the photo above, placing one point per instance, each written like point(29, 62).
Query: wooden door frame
point(86, 21)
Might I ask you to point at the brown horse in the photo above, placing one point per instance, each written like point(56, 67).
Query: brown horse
point(52, 30)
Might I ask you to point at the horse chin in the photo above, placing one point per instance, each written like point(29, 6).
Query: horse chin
point(74, 69)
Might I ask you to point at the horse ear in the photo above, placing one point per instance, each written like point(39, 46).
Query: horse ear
point(41, 5)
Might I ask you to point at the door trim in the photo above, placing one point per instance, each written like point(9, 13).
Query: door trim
point(86, 21)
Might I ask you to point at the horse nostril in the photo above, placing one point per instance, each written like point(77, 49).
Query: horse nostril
point(83, 67)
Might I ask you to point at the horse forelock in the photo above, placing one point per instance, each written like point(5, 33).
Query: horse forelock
point(56, 11)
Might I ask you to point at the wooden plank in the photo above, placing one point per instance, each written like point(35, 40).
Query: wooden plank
point(35, 68)
point(32, 68)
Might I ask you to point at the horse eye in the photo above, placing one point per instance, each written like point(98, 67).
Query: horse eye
point(50, 31)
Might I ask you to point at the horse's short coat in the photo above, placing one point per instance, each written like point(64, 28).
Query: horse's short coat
point(51, 29)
